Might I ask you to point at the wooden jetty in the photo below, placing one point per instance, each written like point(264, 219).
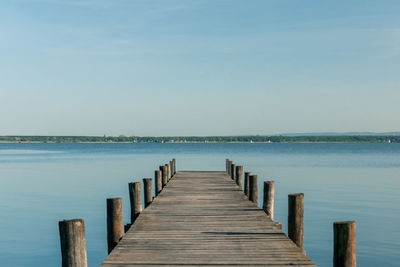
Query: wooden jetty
point(204, 218)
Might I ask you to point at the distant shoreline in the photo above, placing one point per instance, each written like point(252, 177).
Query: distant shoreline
point(191, 142)
point(204, 139)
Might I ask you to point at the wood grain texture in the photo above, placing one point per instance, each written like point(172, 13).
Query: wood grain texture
point(158, 181)
point(148, 191)
point(204, 219)
point(233, 171)
point(246, 183)
point(344, 248)
point(268, 200)
point(164, 172)
point(296, 218)
point(253, 189)
point(115, 223)
point(239, 175)
point(73, 243)
point(174, 160)
point(135, 197)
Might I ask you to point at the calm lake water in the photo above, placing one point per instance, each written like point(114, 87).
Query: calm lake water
point(44, 183)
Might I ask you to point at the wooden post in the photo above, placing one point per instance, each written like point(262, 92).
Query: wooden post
point(296, 219)
point(246, 183)
point(168, 172)
point(344, 247)
point(227, 165)
point(253, 189)
point(172, 168)
point(164, 170)
point(268, 203)
point(115, 224)
point(239, 175)
point(135, 196)
point(73, 243)
point(233, 171)
point(174, 160)
point(158, 181)
point(148, 191)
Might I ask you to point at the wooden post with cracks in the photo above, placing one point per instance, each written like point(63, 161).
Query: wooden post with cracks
point(253, 189)
point(268, 202)
point(296, 219)
point(148, 191)
point(115, 224)
point(239, 175)
point(246, 183)
point(73, 243)
point(344, 244)
point(135, 196)
point(158, 181)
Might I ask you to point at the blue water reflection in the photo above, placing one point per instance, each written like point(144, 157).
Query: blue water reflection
point(44, 183)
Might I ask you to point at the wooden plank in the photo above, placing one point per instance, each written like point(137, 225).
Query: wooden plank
point(204, 219)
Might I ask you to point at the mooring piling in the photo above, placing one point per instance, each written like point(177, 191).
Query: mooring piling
point(164, 170)
point(296, 218)
point(268, 202)
point(253, 188)
point(115, 224)
point(344, 244)
point(174, 160)
point(246, 183)
point(172, 167)
point(233, 171)
point(148, 191)
point(168, 171)
point(135, 196)
point(239, 175)
point(157, 182)
point(73, 243)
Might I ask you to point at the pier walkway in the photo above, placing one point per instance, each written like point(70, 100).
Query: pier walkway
point(204, 219)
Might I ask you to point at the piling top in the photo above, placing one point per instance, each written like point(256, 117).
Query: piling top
point(344, 222)
point(114, 198)
point(296, 194)
point(71, 221)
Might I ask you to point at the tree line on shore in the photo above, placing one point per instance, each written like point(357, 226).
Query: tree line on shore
point(203, 139)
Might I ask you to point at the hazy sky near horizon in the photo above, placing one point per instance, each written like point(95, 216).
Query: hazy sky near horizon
point(206, 67)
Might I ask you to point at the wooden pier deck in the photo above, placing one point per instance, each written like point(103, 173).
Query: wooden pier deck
point(203, 219)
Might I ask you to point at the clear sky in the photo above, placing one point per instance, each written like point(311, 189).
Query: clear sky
point(218, 67)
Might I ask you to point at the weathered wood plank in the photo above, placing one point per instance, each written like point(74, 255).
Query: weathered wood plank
point(204, 219)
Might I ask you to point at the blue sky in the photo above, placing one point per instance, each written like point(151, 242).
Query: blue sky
point(219, 67)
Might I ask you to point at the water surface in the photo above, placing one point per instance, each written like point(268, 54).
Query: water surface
point(44, 183)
